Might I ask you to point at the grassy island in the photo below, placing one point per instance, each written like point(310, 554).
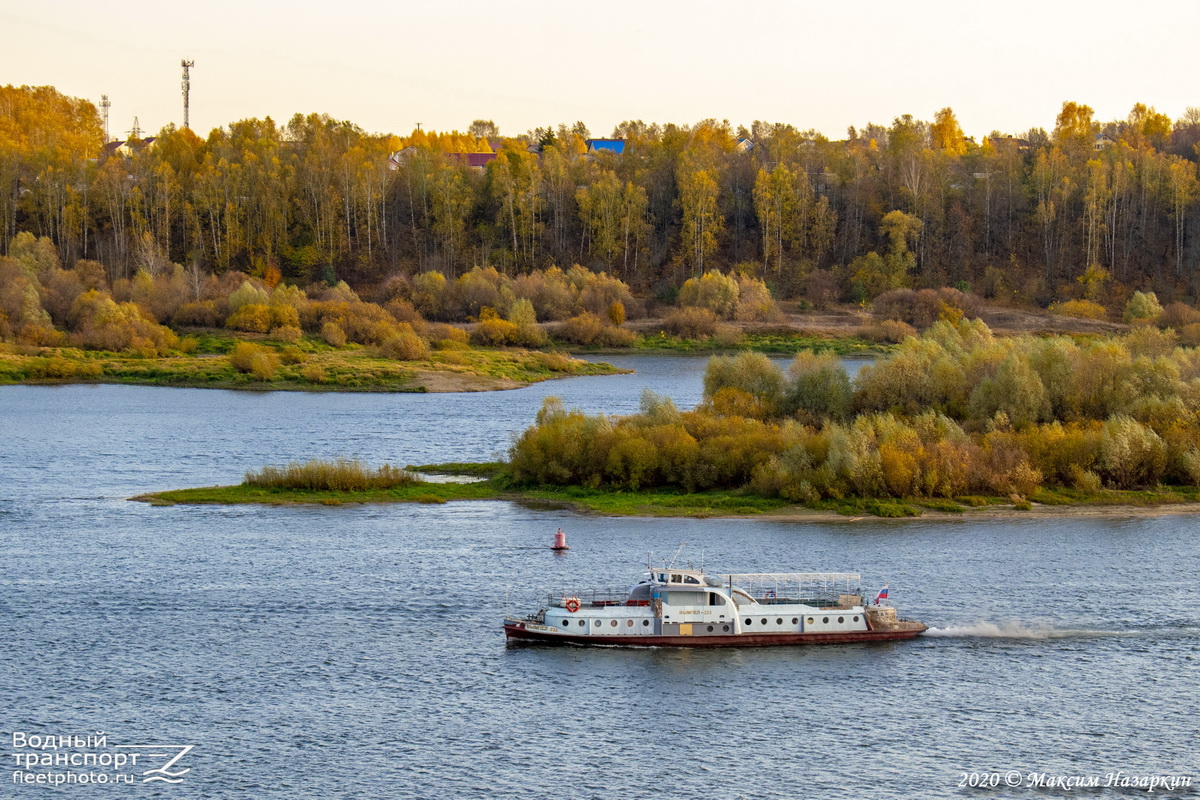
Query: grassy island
point(669, 503)
point(224, 361)
point(955, 420)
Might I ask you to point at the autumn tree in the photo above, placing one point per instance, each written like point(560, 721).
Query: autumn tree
point(702, 219)
point(946, 134)
point(450, 205)
point(515, 180)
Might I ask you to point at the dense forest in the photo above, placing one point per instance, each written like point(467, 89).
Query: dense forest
point(1089, 210)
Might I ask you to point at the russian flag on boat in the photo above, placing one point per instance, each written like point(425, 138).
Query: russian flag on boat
point(881, 596)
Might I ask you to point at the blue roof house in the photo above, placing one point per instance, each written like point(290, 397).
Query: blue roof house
point(616, 146)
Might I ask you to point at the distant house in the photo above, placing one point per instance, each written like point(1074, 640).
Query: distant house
point(1101, 142)
point(1008, 142)
point(615, 146)
point(744, 145)
point(400, 156)
point(474, 160)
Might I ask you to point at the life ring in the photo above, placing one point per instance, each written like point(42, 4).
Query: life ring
point(572, 604)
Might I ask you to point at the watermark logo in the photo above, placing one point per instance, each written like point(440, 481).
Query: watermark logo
point(58, 760)
point(173, 752)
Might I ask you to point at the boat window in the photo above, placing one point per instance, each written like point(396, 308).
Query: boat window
point(597, 623)
point(715, 599)
point(764, 622)
point(645, 622)
point(690, 579)
point(613, 623)
point(662, 576)
point(710, 628)
point(749, 621)
point(628, 623)
point(676, 578)
point(795, 620)
point(566, 622)
point(810, 620)
point(725, 628)
point(825, 620)
point(841, 619)
point(856, 619)
point(779, 621)
point(582, 623)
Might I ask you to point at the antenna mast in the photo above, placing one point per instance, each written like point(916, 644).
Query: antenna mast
point(187, 87)
point(678, 553)
point(104, 107)
point(136, 133)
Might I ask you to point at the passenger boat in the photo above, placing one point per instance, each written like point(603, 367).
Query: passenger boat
point(673, 607)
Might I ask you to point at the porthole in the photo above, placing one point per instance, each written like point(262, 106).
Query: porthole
point(825, 620)
point(628, 623)
point(764, 622)
point(645, 623)
point(779, 621)
point(725, 628)
point(710, 628)
point(613, 623)
point(795, 620)
point(855, 619)
point(582, 623)
point(841, 619)
point(749, 621)
point(810, 620)
point(597, 623)
point(566, 622)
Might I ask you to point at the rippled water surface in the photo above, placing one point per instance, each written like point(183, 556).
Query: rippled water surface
point(356, 651)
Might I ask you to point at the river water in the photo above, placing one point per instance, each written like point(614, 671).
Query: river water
point(353, 652)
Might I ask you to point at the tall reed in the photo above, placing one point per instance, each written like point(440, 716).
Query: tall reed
point(342, 475)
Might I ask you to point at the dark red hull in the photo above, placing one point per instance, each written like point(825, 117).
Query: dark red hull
point(517, 632)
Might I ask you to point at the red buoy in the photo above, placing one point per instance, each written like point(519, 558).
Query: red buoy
point(560, 541)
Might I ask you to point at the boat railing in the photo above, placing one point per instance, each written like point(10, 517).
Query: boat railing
point(819, 589)
point(594, 598)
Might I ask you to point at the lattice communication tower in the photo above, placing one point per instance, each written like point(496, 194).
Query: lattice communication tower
point(104, 107)
point(187, 87)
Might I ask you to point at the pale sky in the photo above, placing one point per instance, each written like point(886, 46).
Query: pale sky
point(1005, 65)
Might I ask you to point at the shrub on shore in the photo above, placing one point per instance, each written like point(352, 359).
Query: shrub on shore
point(1143, 307)
point(333, 334)
point(494, 332)
point(691, 322)
point(100, 323)
point(923, 307)
point(405, 346)
point(892, 331)
point(254, 359)
point(1079, 309)
point(591, 330)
